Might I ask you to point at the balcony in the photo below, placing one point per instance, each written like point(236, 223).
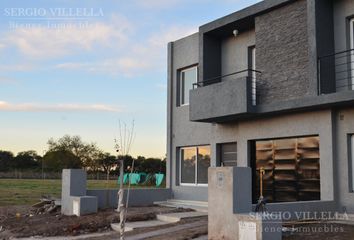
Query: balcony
point(224, 98)
point(336, 72)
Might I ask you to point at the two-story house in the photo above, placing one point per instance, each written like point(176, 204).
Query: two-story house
point(270, 86)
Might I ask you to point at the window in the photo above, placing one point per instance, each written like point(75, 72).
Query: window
point(187, 78)
point(194, 164)
point(292, 169)
point(352, 161)
point(352, 52)
point(228, 154)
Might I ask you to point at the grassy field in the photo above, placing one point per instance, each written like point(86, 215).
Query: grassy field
point(29, 191)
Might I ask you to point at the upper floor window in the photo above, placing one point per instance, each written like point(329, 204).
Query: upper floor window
point(187, 78)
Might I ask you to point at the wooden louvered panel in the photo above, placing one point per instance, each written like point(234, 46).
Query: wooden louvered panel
point(292, 169)
point(281, 154)
point(308, 153)
point(264, 145)
point(284, 144)
point(285, 196)
point(309, 142)
point(285, 176)
point(264, 155)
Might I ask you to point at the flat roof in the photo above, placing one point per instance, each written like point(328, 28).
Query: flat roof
point(251, 11)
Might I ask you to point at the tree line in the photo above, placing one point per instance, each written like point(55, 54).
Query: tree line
point(73, 152)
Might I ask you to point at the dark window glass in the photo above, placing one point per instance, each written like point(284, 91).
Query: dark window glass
point(195, 162)
point(352, 159)
point(228, 154)
point(203, 164)
point(187, 78)
point(188, 157)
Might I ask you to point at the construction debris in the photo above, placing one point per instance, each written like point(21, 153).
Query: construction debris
point(46, 205)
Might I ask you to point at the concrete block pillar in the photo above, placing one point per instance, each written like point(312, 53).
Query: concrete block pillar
point(230, 213)
point(73, 184)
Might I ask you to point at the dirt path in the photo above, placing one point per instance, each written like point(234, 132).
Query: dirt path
point(17, 222)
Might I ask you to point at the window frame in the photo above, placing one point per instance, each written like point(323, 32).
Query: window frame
point(180, 84)
point(351, 162)
point(195, 184)
point(220, 152)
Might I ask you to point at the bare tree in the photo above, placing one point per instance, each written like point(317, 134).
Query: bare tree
point(123, 146)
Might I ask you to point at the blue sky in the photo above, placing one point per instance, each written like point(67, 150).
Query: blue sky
point(66, 71)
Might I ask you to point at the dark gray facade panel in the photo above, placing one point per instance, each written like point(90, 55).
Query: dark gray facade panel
point(219, 100)
point(282, 53)
point(253, 10)
point(325, 44)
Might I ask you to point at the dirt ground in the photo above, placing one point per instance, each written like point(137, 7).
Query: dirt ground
point(321, 231)
point(16, 221)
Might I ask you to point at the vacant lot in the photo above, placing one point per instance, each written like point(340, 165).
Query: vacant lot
point(29, 191)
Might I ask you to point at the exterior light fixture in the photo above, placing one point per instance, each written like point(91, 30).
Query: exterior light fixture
point(235, 32)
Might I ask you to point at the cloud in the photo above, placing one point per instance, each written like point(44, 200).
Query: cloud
point(6, 80)
point(35, 107)
point(16, 68)
point(68, 38)
point(157, 4)
point(139, 58)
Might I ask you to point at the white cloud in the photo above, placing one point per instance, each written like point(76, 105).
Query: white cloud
point(157, 4)
point(16, 68)
point(35, 107)
point(138, 58)
point(6, 80)
point(171, 33)
point(49, 42)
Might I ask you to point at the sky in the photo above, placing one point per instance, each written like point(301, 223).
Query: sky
point(79, 67)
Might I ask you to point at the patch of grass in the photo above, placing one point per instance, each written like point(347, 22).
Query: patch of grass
point(29, 191)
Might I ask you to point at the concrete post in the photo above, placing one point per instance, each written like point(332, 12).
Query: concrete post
point(73, 194)
point(73, 184)
point(230, 207)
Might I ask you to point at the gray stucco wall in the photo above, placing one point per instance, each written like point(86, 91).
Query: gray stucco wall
point(234, 53)
point(184, 52)
point(282, 53)
point(344, 126)
point(342, 10)
point(107, 198)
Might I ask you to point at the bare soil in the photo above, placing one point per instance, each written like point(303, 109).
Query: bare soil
point(321, 231)
point(18, 221)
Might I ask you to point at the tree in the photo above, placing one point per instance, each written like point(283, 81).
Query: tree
point(128, 161)
point(107, 162)
point(56, 160)
point(150, 165)
point(26, 160)
point(6, 158)
point(86, 152)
